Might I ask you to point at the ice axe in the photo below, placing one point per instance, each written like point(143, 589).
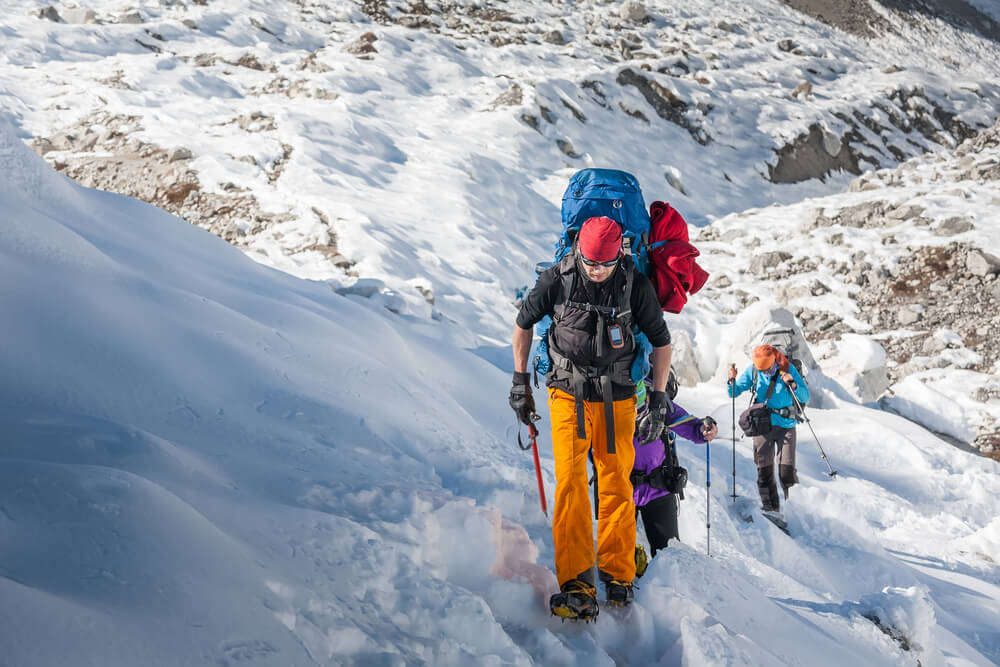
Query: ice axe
point(533, 446)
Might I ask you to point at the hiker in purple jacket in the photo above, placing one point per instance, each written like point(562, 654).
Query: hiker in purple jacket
point(657, 478)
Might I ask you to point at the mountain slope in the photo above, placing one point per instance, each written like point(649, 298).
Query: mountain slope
point(213, 462)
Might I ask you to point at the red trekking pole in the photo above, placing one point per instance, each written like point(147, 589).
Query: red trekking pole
point(533, 440)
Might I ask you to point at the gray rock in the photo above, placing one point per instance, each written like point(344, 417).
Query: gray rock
point(554, 37)
point(981, 263)
point(761, 263)
point(566, 146)
point(178, 154)
point(872, 383)
point(674, 182)
point(817, 288)
point(362, 45)
point(859, 215)
point(188, 23)
point(43, 146)
point(787, 45)
point(49, 13)
point(731, 235)
point(510, 97)
point(79, 15)
point(908, 316)
point(905, 212)
point(804, 89)
point(932, 345)
point(722, 281)
point(632, 10)
point(953, 226)
point(130, 18)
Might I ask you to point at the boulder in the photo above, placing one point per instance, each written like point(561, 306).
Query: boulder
point(953, 226)
point(554, 37)
point(178, 154)
point(981, 263)
point(745, 333)
point(49, 13)
point(362, 45)
point(858, 365)
point(632, 10)
point(761, 262)
point(804, 89)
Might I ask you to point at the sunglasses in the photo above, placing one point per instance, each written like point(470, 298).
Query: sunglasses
point(591, 262)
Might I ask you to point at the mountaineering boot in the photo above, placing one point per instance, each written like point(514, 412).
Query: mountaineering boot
point(768, 488)
point(619, 593)
point(575, 600)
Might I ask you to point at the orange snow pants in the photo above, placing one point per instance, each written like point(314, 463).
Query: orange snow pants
point(572, 529)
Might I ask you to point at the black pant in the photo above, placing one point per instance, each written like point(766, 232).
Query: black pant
point(782, 439)
point(659, 518)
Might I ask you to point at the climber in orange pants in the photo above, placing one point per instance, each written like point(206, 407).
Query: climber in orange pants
point(598, 303)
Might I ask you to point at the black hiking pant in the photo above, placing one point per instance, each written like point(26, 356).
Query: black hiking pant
point(764, 446)
point(659, 519)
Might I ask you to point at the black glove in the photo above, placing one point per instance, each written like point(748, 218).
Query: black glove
point(651, 425)
point(521, 400)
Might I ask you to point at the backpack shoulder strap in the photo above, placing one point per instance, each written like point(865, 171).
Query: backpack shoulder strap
point(771, 385)
point(567, 276)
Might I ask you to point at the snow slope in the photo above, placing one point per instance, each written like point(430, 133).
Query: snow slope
point(210, 462)
point(207, 461)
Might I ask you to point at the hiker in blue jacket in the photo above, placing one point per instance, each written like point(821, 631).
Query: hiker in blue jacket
point(773, 379)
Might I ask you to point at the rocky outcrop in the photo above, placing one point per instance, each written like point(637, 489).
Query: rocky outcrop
point(812, 155)
point(114, 160)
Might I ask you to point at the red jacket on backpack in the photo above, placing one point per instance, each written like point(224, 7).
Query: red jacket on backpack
point(675, 271)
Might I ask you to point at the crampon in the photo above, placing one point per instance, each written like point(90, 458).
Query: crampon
point(576, 601)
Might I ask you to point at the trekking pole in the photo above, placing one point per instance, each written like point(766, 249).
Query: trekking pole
point(732, 383)
point(708, 500)
point(533, 445)
point(802, 411)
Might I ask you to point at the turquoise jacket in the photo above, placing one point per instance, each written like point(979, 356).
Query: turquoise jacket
point(780, 398)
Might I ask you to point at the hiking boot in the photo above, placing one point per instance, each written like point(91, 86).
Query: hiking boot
point(619, 593)
point(577, 600)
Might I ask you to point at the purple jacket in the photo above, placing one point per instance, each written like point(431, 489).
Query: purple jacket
point(651, 455)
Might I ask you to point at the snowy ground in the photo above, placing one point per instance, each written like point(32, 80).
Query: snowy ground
point(194, 474)
point(207, 461)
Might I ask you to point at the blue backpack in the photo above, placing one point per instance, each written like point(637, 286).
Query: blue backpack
point(614, 194)
point(593, 193)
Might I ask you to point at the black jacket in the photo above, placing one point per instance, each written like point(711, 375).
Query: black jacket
point(646, 314)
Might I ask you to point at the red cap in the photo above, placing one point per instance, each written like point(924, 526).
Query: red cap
point(600, 239)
